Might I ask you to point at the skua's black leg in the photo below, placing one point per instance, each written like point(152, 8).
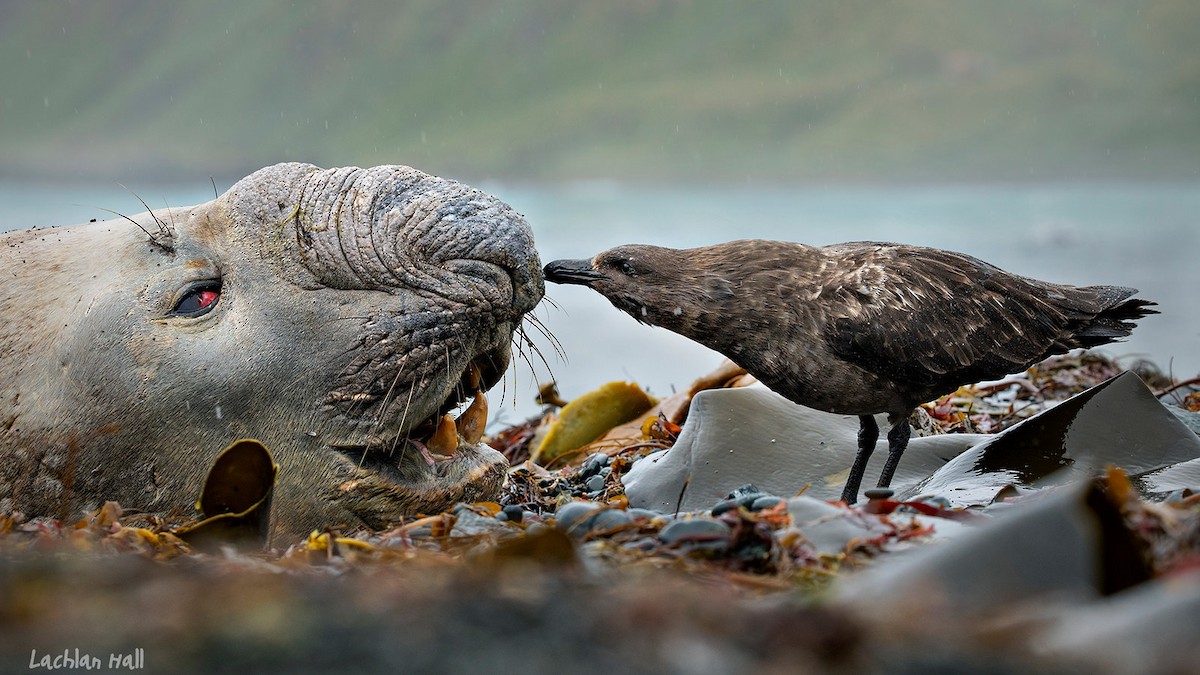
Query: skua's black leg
point(898, 437)
point(868, 434)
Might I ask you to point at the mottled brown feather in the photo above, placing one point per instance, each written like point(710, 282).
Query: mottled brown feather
point(859, 327)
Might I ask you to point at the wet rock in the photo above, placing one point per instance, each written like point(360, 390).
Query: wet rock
point(1070, 541)
point(1148, 629)
point(595, 483)
point(469, 523)
point(609, 519)
point(1190, 419)
point(723, 506)
point(573, 517)
point(735, 436)
point(513, 513)
point(1118, 423)
point(1176, 478)
point(644, 544)
point(643, 514)
point(829, 528)
point(752, 435)
point(741, 493)
point(593, 464)
point(765, 502)
point(697, 534)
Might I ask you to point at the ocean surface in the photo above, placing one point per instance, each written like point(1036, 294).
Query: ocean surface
point(1141, 235)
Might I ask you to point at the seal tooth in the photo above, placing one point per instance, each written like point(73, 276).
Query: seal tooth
point(472, 420)
point(472, 377)
point(445, 440)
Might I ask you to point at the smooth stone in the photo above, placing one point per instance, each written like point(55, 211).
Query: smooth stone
point(723, 506)
point(645, 544)
point(1116, 423)
point(643, 514)
point(753, 435)
point(573, 516)
point(595, 484)
point(744, 491)
point(765, 502)
point(1170, 479)
point(805, 509)
point(513, 513)
point(1190, 419)
point(829, 528)
point(1151, 628)
point(1070, 541)
point(589, 468)
point(609, 519)
point(469, 523)
point(695, 531)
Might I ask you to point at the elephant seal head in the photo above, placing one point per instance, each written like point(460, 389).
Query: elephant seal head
point(336, 315)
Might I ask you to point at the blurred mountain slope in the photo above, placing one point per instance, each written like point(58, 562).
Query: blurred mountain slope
point(632, 90)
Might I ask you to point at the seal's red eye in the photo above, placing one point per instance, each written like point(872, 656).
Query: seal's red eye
point(198, 299)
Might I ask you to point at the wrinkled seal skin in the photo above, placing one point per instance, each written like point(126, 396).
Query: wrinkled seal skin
point(351, 303)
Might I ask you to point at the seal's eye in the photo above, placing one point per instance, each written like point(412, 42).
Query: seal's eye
point(198, 299)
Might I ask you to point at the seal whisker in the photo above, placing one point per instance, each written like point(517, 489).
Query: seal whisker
point(412, 387)
point(163, 230)
point(388, 396)
point(520, 331)
point(449, 376)
point(550, 337)
point(153, 240)
point(167, 207)
point(523, 356)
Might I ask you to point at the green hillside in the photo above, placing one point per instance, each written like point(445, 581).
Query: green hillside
point(722, 91)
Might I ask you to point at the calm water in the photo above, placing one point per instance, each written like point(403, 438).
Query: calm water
point(1146, 236)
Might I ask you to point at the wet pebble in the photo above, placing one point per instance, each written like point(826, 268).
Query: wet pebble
point(936, 502)
point(609, 519)
point(643, 514)
point(595, 483)
point(765, 502)
point(469, 523)
point(753, 501)
point(592, 465)
point(645, 544)
point(573, 517)
point(696, 533)
point(744, 491)
point(513, 513)
point(723, 506)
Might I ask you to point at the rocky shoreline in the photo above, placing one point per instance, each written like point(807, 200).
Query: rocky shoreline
point(993, 567)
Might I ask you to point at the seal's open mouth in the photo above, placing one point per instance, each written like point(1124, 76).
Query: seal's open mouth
point(442, 447)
